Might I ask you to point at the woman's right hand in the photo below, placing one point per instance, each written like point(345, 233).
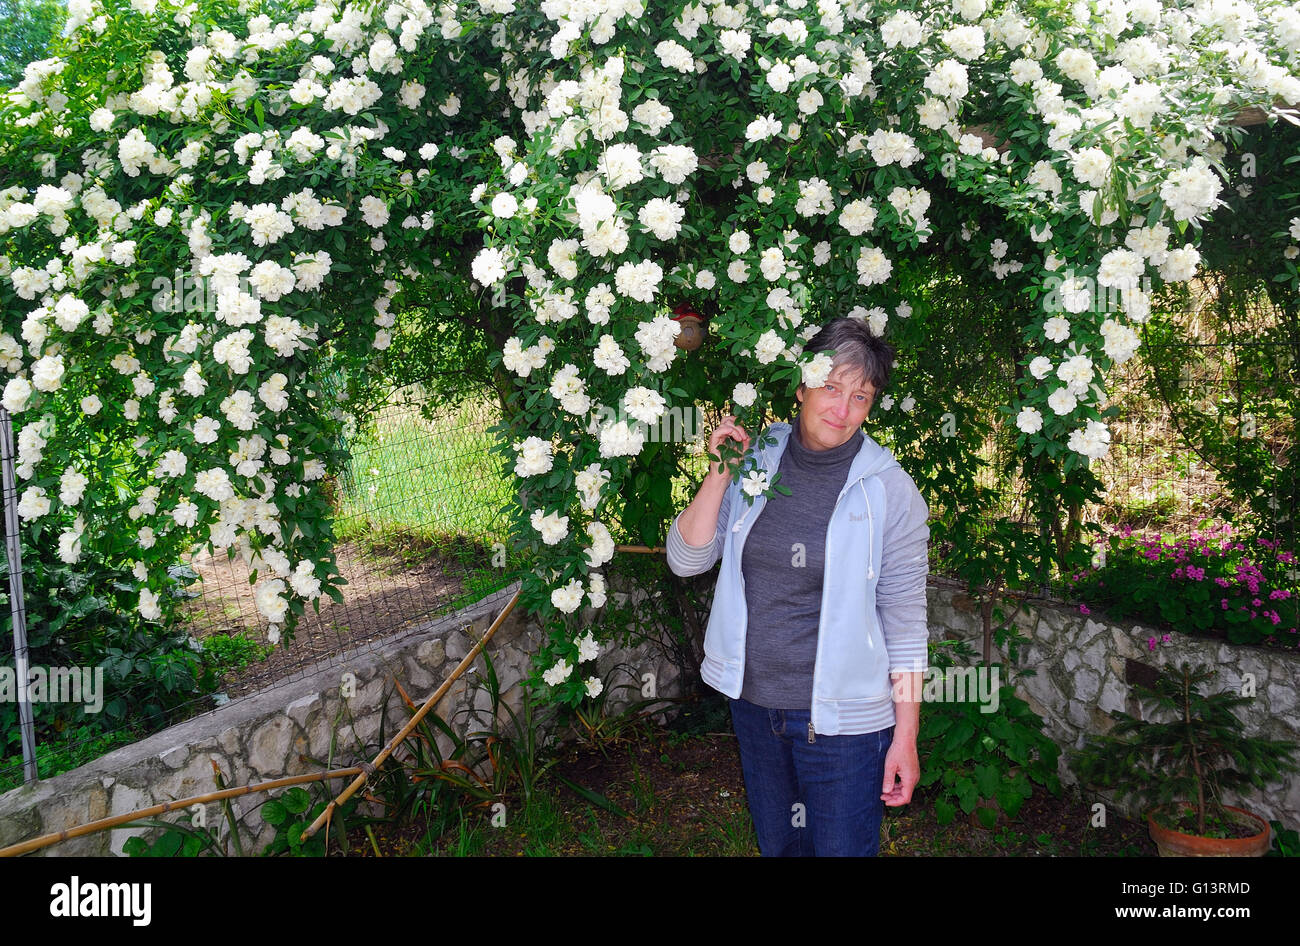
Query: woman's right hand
point(727, 429)
point(698, 522)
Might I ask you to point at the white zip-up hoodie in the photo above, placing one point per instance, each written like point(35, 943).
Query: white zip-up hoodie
point(851, 685)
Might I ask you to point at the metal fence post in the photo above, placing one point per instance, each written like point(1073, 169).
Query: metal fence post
point(13, 551)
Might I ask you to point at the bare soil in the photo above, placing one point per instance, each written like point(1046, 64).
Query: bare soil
point(685, 795)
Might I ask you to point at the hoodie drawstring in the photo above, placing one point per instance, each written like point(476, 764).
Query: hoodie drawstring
point(871, 528)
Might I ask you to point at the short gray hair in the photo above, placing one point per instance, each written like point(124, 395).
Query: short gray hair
point(857, 348)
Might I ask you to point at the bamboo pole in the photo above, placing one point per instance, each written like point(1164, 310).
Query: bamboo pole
point(370, 767)
point(45, 840)
point(640, 548)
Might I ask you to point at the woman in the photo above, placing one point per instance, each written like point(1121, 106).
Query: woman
point(818, 628)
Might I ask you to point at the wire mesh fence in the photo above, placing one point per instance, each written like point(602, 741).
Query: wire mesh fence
point(417, 513)
point(1204, 433)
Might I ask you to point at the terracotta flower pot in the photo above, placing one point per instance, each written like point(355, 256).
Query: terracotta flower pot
point(692, 333)
point(1176, 844)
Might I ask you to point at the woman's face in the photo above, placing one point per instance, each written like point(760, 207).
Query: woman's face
point(836, 411)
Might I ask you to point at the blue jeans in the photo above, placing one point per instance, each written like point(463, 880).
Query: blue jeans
point(807, 799)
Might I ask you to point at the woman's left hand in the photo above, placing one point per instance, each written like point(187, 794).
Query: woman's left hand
point(901, 763)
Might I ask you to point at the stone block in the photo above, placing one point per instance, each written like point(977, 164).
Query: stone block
point(1087, 685)
point(1281, 702)
point(1125, 644)
point(1089, 632)
point(302, 709)
point(268, 747)
point(194, 778)
point(431, 654)
point(415, 676)
point(1113, 692)
point(456, 645)
point(21, 811)
point(123, 799)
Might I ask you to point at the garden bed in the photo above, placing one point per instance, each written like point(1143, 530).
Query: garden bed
point(685, 796)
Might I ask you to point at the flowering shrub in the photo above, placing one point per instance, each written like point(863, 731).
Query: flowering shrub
point(1216, 581)
point(210, 198)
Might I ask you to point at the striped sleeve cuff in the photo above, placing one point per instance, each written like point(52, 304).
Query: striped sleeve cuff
point(907, 653)
point(685, 559)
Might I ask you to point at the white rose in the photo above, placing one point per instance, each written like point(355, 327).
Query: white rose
point(17, 393)
point(755, 483)
point(504, 206)
point(1030, 420)
point(557, 674)
point(1062, 401)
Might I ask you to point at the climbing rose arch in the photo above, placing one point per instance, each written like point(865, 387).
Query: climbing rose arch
point(211, 208)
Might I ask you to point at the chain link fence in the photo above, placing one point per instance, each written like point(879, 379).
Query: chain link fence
point(418, 515)
point(420, 526)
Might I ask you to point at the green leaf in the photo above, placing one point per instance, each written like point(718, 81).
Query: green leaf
point(987, 777)
point(274, 812)
point(296, 801)
point(967, 794)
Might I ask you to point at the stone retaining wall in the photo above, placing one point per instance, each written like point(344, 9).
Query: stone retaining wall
point(266, 735)
point(1084, 670)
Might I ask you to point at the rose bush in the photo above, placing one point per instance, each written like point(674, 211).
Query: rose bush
point(210, 204)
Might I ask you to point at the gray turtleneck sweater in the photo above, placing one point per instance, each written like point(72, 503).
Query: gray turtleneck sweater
point(783, 562)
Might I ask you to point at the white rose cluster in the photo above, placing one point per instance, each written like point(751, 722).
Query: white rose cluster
point(536, 456)
point(657, 340)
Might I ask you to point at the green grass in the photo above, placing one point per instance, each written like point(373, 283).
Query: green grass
point(733, 833)
point(231, 653)
point(408, 478)
point(75, 747)
point(469, 839)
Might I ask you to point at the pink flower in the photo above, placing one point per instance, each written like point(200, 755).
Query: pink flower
point(1151, 643)
point(1083, 609)
point(1164, 639)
